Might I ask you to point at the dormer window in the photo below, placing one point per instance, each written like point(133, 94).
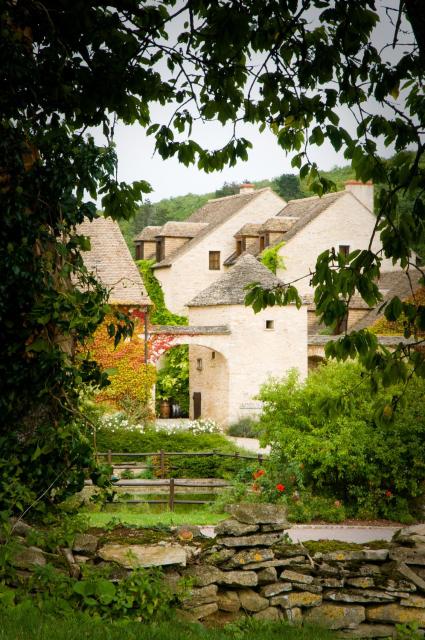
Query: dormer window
point(240, 246)
point(264, 241)
point(160, 250)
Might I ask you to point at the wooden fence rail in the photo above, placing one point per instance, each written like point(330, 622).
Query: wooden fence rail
point(172, 483)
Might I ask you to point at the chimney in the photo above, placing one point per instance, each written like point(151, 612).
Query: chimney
point(362, 190)
point(246, 187)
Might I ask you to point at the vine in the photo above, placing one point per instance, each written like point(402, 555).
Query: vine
point(130, 378)
point(271, 259)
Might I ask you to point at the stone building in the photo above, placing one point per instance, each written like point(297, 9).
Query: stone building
point(110, 261)
point(191, 255)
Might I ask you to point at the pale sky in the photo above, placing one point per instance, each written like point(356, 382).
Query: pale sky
point(168, 178)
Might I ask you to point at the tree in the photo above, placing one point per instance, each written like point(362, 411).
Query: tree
point(67, 66)
point(288, 186)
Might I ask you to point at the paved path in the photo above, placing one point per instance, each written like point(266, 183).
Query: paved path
point(250, 444)
point(304, 532)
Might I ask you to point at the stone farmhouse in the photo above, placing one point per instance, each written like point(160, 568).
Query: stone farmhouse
point(204, 264)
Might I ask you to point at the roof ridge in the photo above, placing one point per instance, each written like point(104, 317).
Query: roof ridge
point(237, 195)
point(325, 195)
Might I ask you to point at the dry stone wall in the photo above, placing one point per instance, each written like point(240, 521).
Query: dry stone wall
point(250, 568)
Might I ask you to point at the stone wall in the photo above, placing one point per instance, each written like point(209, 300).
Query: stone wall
point(251, 569)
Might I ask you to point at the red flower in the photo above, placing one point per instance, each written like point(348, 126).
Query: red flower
point(280, 487)
point(388, 493)
point(258, 474)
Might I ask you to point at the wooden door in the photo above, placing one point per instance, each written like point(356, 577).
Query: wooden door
point(196, 405)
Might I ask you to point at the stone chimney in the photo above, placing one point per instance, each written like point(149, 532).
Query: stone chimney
point(246, 187)
point(362, 190)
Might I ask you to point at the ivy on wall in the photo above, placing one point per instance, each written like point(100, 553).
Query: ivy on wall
point(271, 259)
point(130, 378)
point(160, 314)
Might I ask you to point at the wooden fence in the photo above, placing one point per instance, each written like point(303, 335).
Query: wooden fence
point(172, 483)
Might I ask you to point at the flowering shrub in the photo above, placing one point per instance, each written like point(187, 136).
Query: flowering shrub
point(372, 469)
point(193, 426)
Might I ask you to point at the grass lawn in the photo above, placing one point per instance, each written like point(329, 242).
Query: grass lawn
point(147, 517)
point(24, 623)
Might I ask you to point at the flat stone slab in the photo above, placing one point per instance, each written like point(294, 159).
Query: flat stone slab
point(332, 616)
point(234, 528)
point(409, 556)
point(297, 599)
point(363, 595)
point(251, 556)
point(296, 577)
point(259, 514)
point(238, 579)
point(252, 601)
point(371, 555)
point(275, 589)
point(256, 540)
point(199, 597)
point(205, 575)
point(396, 614)
point(229, 601)
point(135, 555)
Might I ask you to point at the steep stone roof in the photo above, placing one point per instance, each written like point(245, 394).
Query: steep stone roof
point(249, 229)
point(173, 229)
point(234, 257)
point(230, 288)
point(391, 284)
point(278, 224)
point(307, 209)
point(148, 234)
point(109, 259)
point(214, 213)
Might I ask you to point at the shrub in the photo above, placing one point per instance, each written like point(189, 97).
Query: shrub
point(244, 428)
point(117, 434)
point(375, 469)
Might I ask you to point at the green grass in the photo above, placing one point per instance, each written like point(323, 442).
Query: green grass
point(148, 518)
point(25, 623)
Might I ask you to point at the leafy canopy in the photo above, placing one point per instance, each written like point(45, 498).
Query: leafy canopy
point(69, 65)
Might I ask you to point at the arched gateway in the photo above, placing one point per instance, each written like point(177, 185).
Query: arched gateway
point(233, 351)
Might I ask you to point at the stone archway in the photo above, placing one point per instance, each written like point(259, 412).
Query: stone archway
point(208, 367)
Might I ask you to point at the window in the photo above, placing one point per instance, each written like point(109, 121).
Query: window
point(269, 324)
point(213, 355)
point(344, 250)
point(238, 247)
point(199, 365)
point(139, 251)
point(214, 260)
point(262, 242)
point(160, 250)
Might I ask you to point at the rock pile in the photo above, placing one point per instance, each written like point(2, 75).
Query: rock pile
point(252, 570)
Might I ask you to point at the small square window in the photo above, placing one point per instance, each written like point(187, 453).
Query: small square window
point(269, 324)
point(344, 250)
point(214, 260)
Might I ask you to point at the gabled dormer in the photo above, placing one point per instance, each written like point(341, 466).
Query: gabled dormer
point(273, 230)
point(247, 238)
point(173, 235)
point(145, 243)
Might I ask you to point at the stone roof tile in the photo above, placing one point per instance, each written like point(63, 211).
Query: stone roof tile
point(109, 259)
point(214, 212)
point(148, 234)
point(230, 288)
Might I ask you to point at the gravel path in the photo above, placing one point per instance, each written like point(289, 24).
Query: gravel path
point(250, 444)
